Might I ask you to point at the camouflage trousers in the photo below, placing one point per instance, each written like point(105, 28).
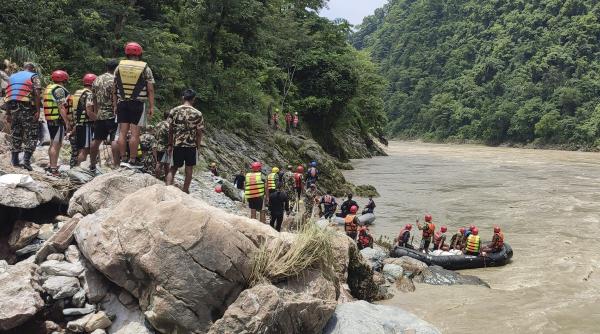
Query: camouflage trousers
point(24, 129)
point(74, 149)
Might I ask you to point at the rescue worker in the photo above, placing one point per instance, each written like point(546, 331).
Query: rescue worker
point(473, 245)
point(428, 229)
point(105, 125)
point(287, 180)
point(288, 122)
point(83, 116)
point(370, 207)
point(351, 223)
point(345, 208)
point(213, 169)
point(298, 184)
point(329, 205)
point(365, 239)
point(296, 120)
point(278, 203)
point(56, 111)
point(310, 196)
point(403, 239)
point(467, 233)
point(161, 133)
point(22, 99)
point(497, 241)
point(255, 189)
point(312, 174)
point(276, 119)
point(134, 85)
point(456, 242)
point(439, 239)
point(272, 179)
point(238, 182)
point(186, 125)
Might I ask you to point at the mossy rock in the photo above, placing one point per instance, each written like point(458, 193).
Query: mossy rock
point(366, 190)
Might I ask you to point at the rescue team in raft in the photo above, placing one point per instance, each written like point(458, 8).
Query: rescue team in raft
point(466, 240)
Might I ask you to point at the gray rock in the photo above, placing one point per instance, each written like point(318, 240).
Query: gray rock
point(436, 275)
point(56, 257)
point(51, 326)
point(361, 317)
point(392, 271)
point(97, 321)
point(409, 265)
point(125, 319)
point(46, 231)
point(79, 298)
point(30, 249)
point(374, 257)
point(405, 284)
point(3, 266)
point(78, 326)
point(28, 196)
point(99, 331)
point(60, 287)
point(72, 254)
point(94, 283)
point(267, 309)
point(80, 175)
point(61, 268)
point(79, 311)
point(59, 241)
point(19, 295)
point(22, 234)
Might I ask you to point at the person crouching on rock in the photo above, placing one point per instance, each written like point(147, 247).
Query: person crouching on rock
point(403, 239)
point(185, 135)
point(255, 189)
point(428, 230)
point(473, 245)
point(351, 223)
point(497, 242)
point(329, 205)
point(278, 203)
point(365, 239)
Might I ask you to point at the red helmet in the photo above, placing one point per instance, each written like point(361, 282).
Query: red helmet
point(218, 188)
point(133, 49)
point(59, 76)
point(256, 166)
point(475, 231)
point(443, 229)
point(428, 218)
point(88, 79)
point(472, 227)
point(408, 227)
point(461, 230)
point(496, 229)
point(353, 209)
point(300, 169)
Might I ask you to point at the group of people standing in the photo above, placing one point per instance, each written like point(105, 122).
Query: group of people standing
point(466, 240)
point(112, 108)
point(291, 120)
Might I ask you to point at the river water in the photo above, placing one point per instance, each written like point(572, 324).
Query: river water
point(548, 205)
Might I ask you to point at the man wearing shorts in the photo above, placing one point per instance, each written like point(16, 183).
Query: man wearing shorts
point(134, 84)
point(101, 104)
point(82, 119)
point(56, 104)
point(185, 135)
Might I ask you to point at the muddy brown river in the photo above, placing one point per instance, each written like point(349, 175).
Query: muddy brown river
point(548, 205)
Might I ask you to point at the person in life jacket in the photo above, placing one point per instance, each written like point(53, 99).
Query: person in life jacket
point(473, 245)
point(351, 223)
point(345, 208)
point(298, 184)
point(276, 119)
point(329, 205)
point(56, 103)
point(273, 178)
point(312, 174)
point(428, 230)
point(403, 239)
point(439, 239)
point(365, 239)
point(134, 85)
point(296, 120)
point(497, 241)
point(213, 169)
point(370, 207)
point(456, 242)
point(22, 104)
point(467, 233)
point(83, 117)
point(288, 122)
point(255, 189)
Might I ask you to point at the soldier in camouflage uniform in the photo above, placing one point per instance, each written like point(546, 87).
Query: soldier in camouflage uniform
point(22, 113)
point(186, 125)
point(288, 185)
point(161, 132)
point(148, 149)
point(309, 201)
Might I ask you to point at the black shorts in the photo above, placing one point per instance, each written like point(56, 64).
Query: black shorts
point(183, 155)
point(255, 203)
point(84, 135)
point(57, 131)
point(105, 129)
point(130, 111)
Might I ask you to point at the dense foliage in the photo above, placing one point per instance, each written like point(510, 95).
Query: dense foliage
point(240, 55)
point(490, 70)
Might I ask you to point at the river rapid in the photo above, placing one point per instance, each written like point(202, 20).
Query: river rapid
point(548, 205)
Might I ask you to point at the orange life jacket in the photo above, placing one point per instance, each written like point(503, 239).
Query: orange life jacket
point(349, 224)
point(298, 180)
point(429, 230)
point(499, 242)
point(401, 234)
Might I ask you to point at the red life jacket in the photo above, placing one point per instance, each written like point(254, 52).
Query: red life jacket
point(288, 118)
point(499, 243)
point(401, 235)
point(363, 237)
point(429, 230)
point(437, 238)
point(295, 119)
point(298, 180)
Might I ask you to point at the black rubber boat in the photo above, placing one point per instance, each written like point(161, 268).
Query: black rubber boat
point(457, 262)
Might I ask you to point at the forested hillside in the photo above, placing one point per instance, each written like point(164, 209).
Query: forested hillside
point(240, 55)
point(490, 70)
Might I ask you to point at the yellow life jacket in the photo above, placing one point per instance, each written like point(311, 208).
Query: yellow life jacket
point(131, 84)
point(79, 114)
point(473, 243)
point(51, 110)
point(272, 181)
point(255, 186)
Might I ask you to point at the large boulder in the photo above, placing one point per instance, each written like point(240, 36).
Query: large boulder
point(22, 234)
point(20, 191)
point(267, 309)
point(184, 260)
point(362, 317)
point(374, 256)
point(19, 295)
point(127, 318)
point(436, 275)
point(107, 190)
